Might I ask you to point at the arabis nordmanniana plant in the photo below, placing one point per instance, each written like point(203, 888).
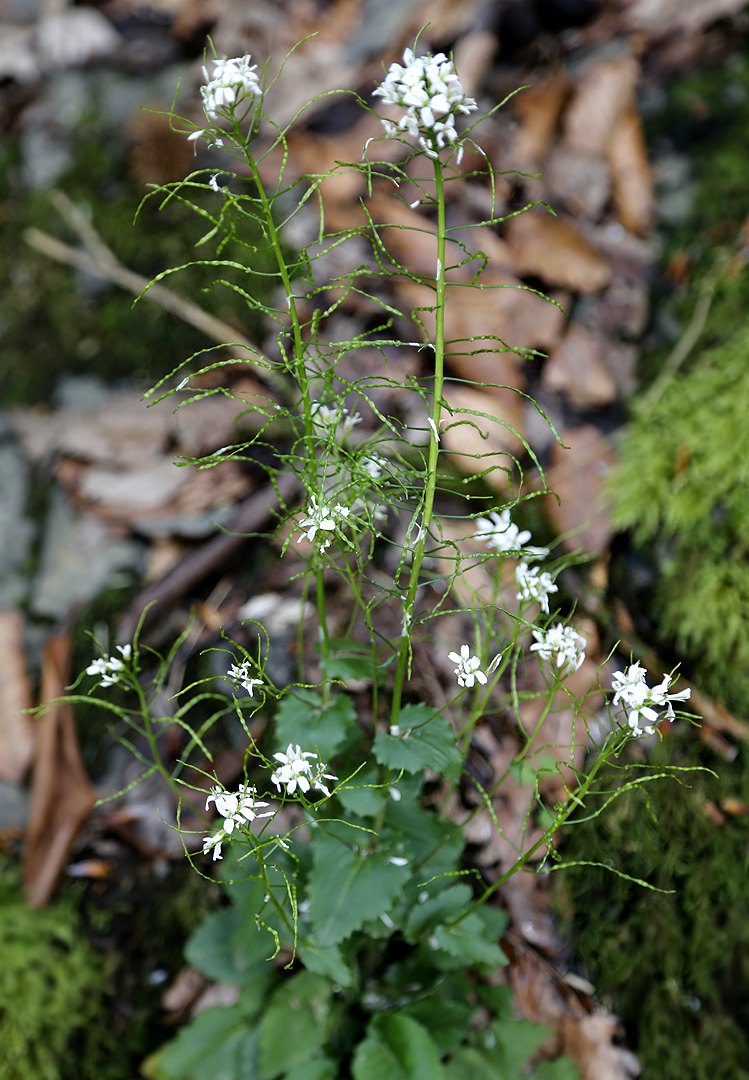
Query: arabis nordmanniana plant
point(366, 864)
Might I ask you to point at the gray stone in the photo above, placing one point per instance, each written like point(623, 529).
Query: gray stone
point(80, 557)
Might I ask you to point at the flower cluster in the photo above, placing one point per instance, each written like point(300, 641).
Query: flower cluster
point(321, 518)
point(109, 668)
point(232, 82)
point(561, 645)
point(500, 533)
point(468, 667)
point(642, 703)
point(428, 88)
point(297, 772)
point(534, 584)
point(241, 673)
point(237, 809)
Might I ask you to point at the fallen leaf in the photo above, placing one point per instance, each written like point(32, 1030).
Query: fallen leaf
point(631, 178)
point(473, 55)
point(578, 369)
point(61, 794)
point(589, 1041)
point(603, 93)
point(539, 108)
point(578, 179)
point(555, 250)
point(478, 433)
point(501, 309)
point(16, 729)
point(578, 476)
point(660, 17)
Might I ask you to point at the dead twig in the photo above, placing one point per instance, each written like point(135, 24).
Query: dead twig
point(96, 259)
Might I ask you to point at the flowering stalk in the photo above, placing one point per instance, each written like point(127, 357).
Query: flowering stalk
point(404, 649)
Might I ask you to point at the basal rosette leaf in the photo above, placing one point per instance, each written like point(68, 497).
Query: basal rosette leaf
point(399, 1048)
point(427, 742)
point(347, 887)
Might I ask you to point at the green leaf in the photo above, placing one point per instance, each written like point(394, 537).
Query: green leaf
point(303, 719)
point(327, 961)
point(360, 799)
point(320, 1069)
point(219, 1044)
point(347, 887)
point(467, 943)
point(561, 1069)
point(397, 1048)
point(436, 845)
point(350, 660)
point(427, 742)
point(469, 1063)
point(445, 1012)
point(228, 949)
point(295, 1024)
point(447, 902)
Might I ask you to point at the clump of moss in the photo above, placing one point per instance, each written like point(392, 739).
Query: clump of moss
point(675, 964)
point(682, 487)
point(51, 983)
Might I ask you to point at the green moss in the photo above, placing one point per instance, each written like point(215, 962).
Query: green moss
point(54, 321)
point(676, 965)
point(51, 984)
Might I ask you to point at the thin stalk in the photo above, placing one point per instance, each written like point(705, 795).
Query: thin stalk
point(404, 651)
point(303, 379)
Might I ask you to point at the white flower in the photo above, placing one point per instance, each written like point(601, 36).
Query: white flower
point(500, 534)
point(468, 669)
point(373, 465)
point(534, 584)
point(108, 668)
point(336, 421)
point(640, 703)
point(241, 674)
point(213, 183)
point(296, 771)
point(428, 88)
point(562, 645)
point(232, 82)
point(321, 517)
point(237, 809)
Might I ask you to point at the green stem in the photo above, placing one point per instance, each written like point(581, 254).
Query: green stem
point(404, 651)
point(303, 381)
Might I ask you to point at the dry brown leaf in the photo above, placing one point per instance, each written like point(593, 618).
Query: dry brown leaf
point(517, 317)
point(578, 476)
point(480, 442)
point(473, 55)
point(61, 795)
point(16, 729)
point(659, 17)
point(555, 250)
point(538, 109)
point(578, 179)
point(588, 1040)
point(578, 369)
point(631, 178)
point(605, 90)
